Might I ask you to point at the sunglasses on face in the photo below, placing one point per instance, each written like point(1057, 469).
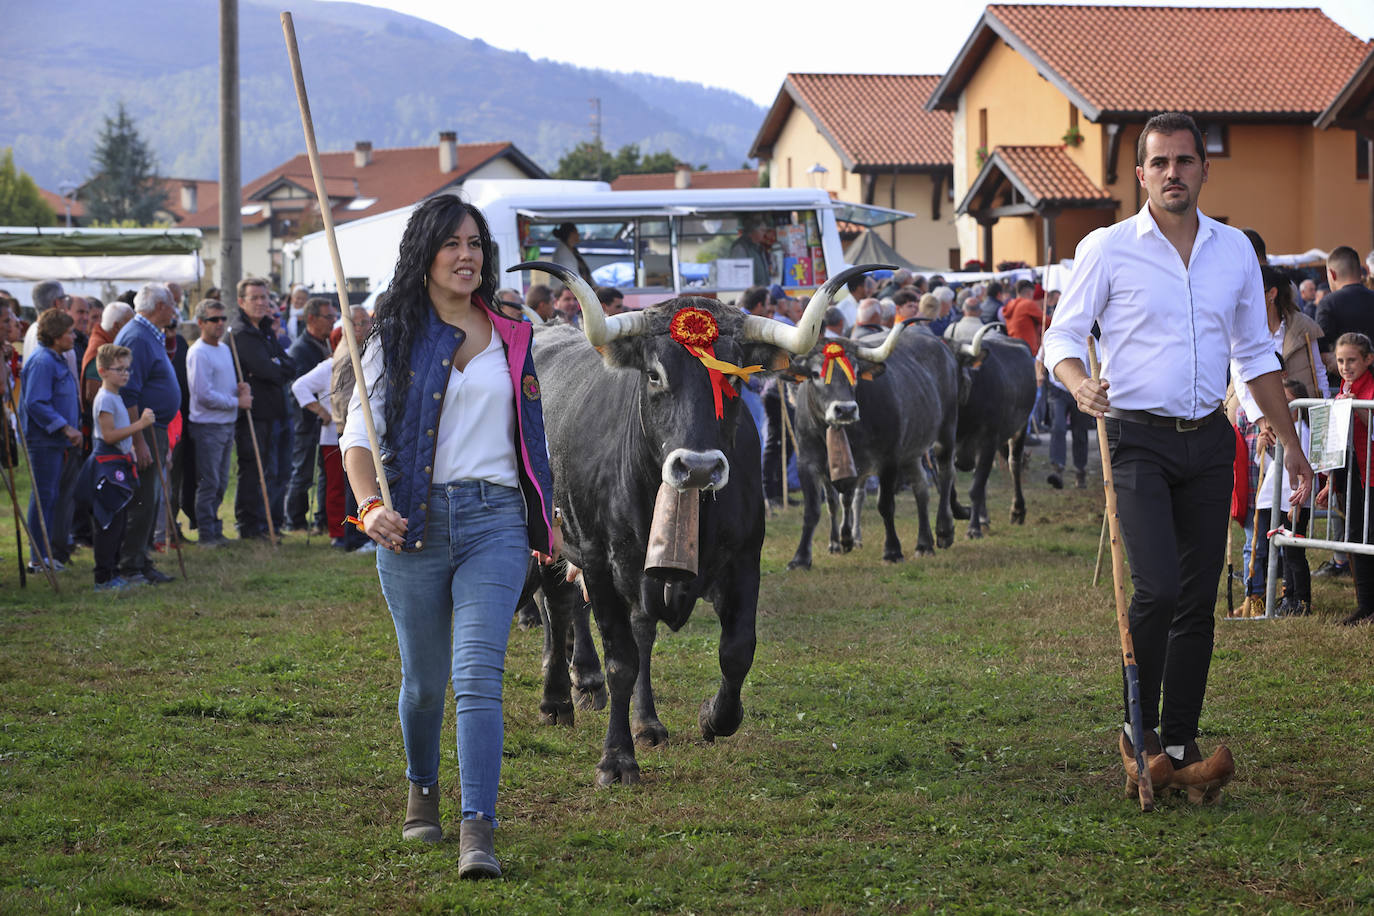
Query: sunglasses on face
point(510, 304)
point(215, 319)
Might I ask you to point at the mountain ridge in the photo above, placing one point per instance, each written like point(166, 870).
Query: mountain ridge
point(404, 79)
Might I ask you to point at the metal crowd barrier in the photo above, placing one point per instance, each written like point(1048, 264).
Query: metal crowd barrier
point(1281, 538)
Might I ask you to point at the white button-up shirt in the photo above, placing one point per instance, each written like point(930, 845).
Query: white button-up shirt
point(1167, 330)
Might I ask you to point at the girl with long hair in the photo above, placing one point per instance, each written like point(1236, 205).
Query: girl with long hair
point(456, 402)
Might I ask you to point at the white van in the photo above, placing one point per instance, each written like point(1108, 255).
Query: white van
point(651, 244)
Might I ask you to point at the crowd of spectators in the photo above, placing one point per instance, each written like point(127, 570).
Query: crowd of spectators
point(132, 428)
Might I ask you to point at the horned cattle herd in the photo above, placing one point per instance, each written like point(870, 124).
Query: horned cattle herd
point(657, 476)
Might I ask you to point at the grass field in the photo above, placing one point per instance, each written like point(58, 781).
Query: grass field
point(934, 735)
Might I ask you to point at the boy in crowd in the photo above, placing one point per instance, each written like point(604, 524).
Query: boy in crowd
point(111, 464)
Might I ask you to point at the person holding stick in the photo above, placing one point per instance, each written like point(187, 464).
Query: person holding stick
point(267, 370)
point(1175, 294)
point(50, 414)
point(456, 403)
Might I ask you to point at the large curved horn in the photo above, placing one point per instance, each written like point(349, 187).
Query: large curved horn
point(532, 315)
point(599, 329)
point(880, 353)
point(803, 337)
point(975, 349)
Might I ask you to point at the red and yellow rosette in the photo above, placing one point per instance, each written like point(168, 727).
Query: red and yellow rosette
point(697, 331)
point(834, 353)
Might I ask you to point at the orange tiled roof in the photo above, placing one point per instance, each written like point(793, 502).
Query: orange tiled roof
point(59, 205)
point(1134, 61)
point(1042, 176)
point(393, 178)
point(704, 180)
point(207, 194)
point(874, 121)
point(1047, 174)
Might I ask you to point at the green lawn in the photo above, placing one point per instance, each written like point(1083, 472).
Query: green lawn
point(934, 735)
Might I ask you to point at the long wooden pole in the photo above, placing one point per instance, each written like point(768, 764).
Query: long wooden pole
point(1101, 547)
point(167, 505)
point(1123, 623)
point(340, 281)
point(257, 453)
point(37, 501)
point(11, 462)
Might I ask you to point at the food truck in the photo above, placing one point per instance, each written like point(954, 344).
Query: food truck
point(651, 244)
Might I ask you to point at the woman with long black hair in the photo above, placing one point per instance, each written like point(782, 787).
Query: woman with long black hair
point(456, 404)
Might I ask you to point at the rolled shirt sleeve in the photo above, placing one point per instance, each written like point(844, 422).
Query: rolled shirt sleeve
point(355, 430)
point(1079, 306)
point(1252, 346)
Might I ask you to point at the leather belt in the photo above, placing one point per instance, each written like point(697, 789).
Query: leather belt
point(1178, 424)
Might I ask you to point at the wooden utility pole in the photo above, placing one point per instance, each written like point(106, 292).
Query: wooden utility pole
point(230, 219)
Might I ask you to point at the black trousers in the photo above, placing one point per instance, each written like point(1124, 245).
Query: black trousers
point(1173, 493)
point(304, 458)
point(105, 543)
point(1362, 565)
point(1297, 575)
point(772, 449)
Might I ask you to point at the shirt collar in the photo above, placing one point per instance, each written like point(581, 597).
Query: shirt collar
point(1145, 224)
point(139, 317)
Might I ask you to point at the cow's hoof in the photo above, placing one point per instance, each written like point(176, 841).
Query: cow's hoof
point(835, 547)
point(556, 713)
point(649, 733)
point(617, 767)
point(1018, 517)
point(796, 563)
point(528, 617)
point(944, 541)
point(893, 558)
point(589, 697)
point(719, 723)
point(925, 551)
point(974, 534)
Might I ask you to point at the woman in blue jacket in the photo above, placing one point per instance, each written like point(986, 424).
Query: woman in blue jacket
point(51, 417)
point(455, 399)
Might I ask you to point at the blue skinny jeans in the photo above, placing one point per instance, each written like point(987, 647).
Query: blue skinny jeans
point(452, 603)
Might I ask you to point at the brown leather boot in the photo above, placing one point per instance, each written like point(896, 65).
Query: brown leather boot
point(476, 856)
point(422, 815)
point(1204, 779)
point(1161, 769)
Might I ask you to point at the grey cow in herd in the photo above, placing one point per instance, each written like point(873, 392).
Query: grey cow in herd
point(997, 399)
point(629, 410)
point(900, 405)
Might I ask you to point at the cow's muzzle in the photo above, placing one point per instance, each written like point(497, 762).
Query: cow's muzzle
point(689, 470)
point(841, 413)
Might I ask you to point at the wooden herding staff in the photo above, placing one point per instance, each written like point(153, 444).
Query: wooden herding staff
point(1123, 625)
point(11, 462)
point(38, 503)
point(253, 436)
point(340, 281)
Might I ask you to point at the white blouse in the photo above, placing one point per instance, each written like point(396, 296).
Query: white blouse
point(476, 435)
point(314, 386)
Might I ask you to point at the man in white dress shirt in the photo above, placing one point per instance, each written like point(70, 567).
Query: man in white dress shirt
point(1176, 295)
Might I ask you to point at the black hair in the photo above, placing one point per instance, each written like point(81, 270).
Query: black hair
point(1276, 279)
point(1257, 243)
point(564, 230)
point(1170, 122)
point(402, 310)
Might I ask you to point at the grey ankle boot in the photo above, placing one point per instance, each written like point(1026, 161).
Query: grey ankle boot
point(476, 857)
point(422, 815)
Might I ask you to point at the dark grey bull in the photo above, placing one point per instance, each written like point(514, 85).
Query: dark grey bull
point(902, 406)
point(627, 408)
point(1000, 394)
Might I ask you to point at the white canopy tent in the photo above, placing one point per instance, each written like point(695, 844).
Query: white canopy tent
point(86, 259)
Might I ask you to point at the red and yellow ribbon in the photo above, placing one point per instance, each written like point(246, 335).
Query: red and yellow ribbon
point(834, 353)
point(697, 331)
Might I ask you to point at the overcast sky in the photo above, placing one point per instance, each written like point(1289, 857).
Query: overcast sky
point(751, 47)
